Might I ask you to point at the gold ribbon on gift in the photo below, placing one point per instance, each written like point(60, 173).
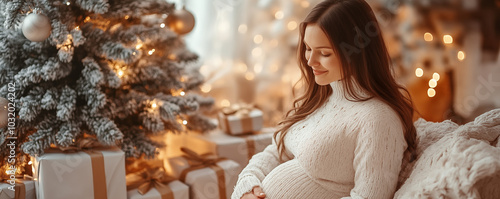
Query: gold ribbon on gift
point(197, 161)
point(251, 146)
point(88, 145)
point(146, 179)
point(19, 188)
point(243, 112)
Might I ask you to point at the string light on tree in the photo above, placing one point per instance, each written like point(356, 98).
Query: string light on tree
point(36, 27)
point(428, 36)
point(185, 122)
point(461, 55)
point(419, 72)
point(182, 93)
point(447, 39)
point(436, 76)
point(431, 92)
point(151, 51)
point(153, 105)
point(432, 83)
point(120, 73)
point(162, 25)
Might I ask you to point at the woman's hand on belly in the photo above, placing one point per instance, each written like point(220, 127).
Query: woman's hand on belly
point(256, 193)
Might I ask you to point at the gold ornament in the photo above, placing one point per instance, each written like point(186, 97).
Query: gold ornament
point(180, 21)
point(36, 27)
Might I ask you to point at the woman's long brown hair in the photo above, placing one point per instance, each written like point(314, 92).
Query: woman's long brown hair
point(355, 35)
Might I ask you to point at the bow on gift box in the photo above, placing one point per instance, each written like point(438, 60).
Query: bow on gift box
point(238, 109)
point(20, 188)
point(144, 180)
point(197, 161)
point(87, 143)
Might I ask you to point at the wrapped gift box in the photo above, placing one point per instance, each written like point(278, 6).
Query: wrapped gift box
point(154, 183)
point(26, 189)
point(238, 148)
point(214, 181)
point(240, 121)
point(179, 189)
point(83, 175)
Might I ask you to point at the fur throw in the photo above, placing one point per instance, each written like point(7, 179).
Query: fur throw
point(454, 161)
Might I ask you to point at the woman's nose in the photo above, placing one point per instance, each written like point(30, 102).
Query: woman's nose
point(312, 60)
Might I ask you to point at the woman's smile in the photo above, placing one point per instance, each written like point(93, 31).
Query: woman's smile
point(319, 72)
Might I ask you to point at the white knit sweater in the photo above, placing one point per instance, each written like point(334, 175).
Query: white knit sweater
point(344, 149)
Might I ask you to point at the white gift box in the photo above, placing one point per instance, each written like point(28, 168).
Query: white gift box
point(236, 124)
point(71, 175)
point(180, 190)
point(29, 188)
point(204, 183)
point(237, 148)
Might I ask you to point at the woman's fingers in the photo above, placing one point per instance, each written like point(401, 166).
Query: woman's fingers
point(249, 196)
point(257, 191)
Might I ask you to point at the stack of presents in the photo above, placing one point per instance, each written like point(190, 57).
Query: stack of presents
point(206, 166)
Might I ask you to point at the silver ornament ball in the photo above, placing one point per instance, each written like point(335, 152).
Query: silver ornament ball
point(36, 27)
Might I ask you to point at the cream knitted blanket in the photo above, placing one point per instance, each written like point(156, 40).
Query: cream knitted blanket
point(455, 161)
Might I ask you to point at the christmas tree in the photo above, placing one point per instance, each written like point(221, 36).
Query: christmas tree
point(111, 69)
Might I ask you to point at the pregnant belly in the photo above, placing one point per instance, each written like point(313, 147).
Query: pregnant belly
point(289, 180)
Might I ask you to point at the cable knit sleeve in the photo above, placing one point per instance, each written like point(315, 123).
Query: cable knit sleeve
point(258, 167)
point(377, 157)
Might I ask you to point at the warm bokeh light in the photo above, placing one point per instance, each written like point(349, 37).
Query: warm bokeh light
point(249, 76)
point(436, 76)
point(225, 103)
point(153, 105)
point(120, 73)
point(68, 3)
point(432, 83)
point(151, 51)
point(162, 25)
point(258, 39)
point(77, 27)
point(30, 162)
point(305, 4)
point(257, 68)
point(292, 25)
point(428, 36)
point(127, 17)
point(447, 39)
point(279, 15)
point(431, 92)
point(419, 72)
point(242, 28)
point(241, 67)
point(461, 55)
point(257, 52)
point(184, 122)
point(138, 46)
point(87, 19)
point(182, 93)
point(206, 88)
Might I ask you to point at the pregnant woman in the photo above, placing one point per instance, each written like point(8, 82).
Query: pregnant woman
point(347, 136)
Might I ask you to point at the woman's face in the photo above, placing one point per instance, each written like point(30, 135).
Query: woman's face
point(320, 56)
